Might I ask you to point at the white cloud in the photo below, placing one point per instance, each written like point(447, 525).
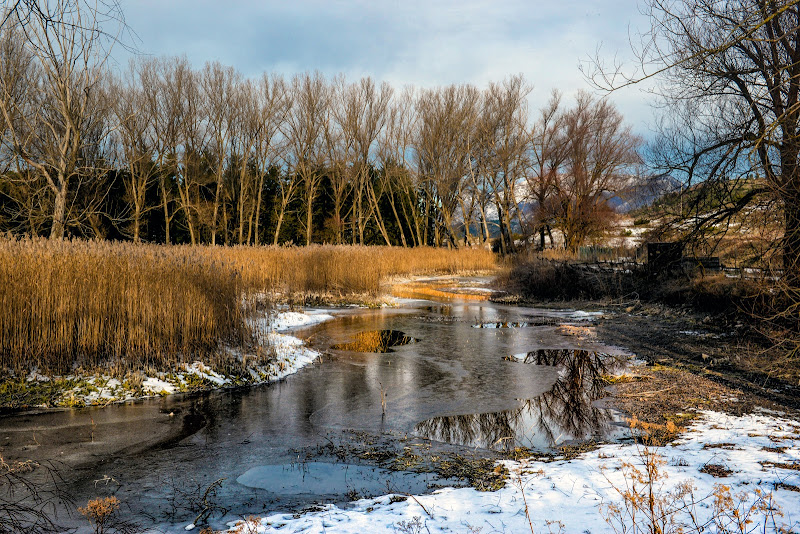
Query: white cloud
point(420, 42)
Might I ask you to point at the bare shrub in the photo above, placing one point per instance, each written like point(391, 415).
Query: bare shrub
point(99, 512)
point(647, 505)
point(24, 506)
point(542, 279)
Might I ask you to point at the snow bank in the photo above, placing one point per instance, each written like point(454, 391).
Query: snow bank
point(283, 321)
point(761, 451)
point(586, 315)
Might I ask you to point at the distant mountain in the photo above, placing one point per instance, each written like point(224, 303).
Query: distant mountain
point(643, 193)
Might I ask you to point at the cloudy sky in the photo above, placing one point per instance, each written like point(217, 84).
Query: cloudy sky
point(420, 42)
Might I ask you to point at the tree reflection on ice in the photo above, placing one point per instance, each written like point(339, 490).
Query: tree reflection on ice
point(565, 413)
point(376, 341)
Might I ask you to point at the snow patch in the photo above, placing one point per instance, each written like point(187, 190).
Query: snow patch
point(283, 321)
point(584, 315)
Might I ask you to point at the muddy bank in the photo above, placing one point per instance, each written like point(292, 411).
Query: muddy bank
point(712, 347)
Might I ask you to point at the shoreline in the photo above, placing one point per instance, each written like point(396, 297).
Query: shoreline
point(288, 355)
point(748, 464)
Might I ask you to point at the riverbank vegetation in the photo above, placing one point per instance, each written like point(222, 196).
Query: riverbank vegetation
point(66, 303)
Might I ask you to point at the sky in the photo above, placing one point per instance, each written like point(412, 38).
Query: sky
point(424, 43)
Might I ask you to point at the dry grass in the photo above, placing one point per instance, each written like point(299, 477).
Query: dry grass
point(435, 290)
point(64, 303)
point(662, 399)
point(69, 302)
point(342, 269)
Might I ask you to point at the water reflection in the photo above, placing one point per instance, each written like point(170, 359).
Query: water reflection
point(445, 310)
point(376, 341)
point(563, 414)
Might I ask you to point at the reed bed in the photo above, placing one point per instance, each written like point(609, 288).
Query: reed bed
point(70, 302)
point(342, 269)
point(66, 303)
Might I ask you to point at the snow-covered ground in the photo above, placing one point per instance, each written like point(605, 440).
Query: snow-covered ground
point(286, 320)
point(289, 355)
point(762, 453)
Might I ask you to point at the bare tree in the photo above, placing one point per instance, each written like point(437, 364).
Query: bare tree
point(162, 82)
point(274, 106)
point(53, 135)
point(186, 105)
point(600, 159)
point(729, 73)
point(729, 76)
point(362, 118)
point(548, 151)
point(447, 118)
point(245, 126)
point(135, 145)
point(305, 130)
point(504, 141)
point(341, 145)
point(219, 85)
point(394, 146)
point(26, 194)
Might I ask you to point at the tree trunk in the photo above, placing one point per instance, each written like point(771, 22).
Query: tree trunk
point(185, 198)
point(337, 214)
point(241, 216)
point(503, 249)
point(373, 198)
point(278, 224)
point(509, 236)
point(397, 218)
point(216, 210)
point(310, 191)
point(413, 222)
point(484, 223)
point(137, 216)
point(225, 236)
point(59, 213)
point(258, 209)
point(165, 205)
point(791, 240)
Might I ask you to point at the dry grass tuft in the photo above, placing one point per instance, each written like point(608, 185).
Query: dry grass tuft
point(99, 511)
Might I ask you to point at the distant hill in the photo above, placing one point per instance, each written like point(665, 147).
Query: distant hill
point(643, 194)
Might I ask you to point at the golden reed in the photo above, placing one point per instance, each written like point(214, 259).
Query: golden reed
point(93, 302)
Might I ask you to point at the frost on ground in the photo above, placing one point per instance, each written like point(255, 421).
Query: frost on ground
point(288, 354)
point(725, 469)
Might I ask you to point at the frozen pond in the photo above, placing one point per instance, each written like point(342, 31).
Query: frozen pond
point(456, 376)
